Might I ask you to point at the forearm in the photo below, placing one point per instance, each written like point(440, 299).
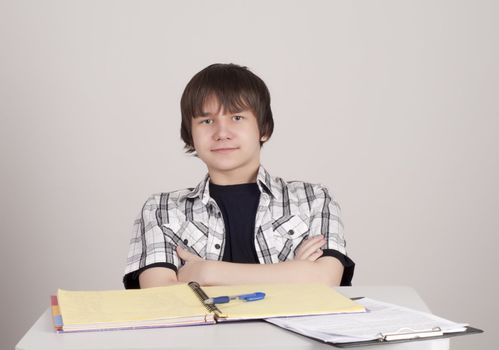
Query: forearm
point(157, 277)
point(326, 270)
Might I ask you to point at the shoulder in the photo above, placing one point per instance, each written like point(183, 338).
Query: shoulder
point(307, 196)
point(166, 200)
point(296, 189)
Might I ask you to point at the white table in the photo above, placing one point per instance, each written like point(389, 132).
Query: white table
point(243, 335)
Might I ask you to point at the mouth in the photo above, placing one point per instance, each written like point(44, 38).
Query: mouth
point(224, 149)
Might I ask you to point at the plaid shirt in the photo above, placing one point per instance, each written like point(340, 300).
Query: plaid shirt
point(287, 213)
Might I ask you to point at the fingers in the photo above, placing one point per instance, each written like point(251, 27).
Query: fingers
point(310, 246)
point(316, 255)
point(185, 255)
point(182, 253)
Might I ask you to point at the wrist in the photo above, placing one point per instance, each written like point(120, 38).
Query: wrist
point(208, 273)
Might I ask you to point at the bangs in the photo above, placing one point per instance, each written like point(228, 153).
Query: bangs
point(231, 102)
point(232, 90)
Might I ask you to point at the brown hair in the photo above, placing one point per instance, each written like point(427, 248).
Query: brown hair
point(235, 87)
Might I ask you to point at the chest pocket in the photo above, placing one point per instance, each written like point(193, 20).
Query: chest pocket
point(192, 235)
point(289, 231)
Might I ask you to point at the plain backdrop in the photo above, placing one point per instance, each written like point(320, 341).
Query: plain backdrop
point(391, 104)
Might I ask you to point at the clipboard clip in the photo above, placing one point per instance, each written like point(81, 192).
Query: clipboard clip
point(408, 333)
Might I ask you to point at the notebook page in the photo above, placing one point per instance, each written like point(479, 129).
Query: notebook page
point(283, 300)
point(88, 307)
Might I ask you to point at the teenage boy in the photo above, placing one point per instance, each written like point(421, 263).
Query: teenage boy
point(239, 224)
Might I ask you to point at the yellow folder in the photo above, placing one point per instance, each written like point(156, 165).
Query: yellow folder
point(183, 304)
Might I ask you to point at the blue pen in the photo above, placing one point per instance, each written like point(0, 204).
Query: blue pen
point(226, 298)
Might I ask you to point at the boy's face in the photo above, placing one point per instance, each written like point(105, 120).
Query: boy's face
point(228, 143)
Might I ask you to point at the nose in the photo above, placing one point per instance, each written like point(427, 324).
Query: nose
point(222, 130)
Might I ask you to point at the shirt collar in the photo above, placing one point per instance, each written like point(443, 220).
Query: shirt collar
point(265, 183)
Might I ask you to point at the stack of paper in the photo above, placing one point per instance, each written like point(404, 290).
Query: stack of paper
point(380, 319)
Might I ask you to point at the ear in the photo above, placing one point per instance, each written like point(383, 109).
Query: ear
point(264, 138)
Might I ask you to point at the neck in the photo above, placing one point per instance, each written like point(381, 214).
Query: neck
point(235, 176)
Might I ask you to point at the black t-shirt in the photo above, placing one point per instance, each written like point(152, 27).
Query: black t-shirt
point(238, 204)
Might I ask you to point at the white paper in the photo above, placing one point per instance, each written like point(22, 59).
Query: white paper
point(380, 319)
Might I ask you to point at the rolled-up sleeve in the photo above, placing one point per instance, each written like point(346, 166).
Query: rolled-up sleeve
point(325, 219)
point(152, 243)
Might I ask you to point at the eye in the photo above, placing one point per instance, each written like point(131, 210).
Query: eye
point(238, 117)
point(206, 121)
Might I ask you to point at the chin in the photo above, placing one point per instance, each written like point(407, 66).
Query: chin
point(225, 165)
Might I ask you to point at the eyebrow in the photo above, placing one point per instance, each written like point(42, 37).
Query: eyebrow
point(203, 115)
point(209, 114)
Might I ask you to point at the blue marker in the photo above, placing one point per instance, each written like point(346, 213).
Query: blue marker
point(226, 298)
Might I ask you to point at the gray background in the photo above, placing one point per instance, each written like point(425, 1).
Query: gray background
point(392, 104)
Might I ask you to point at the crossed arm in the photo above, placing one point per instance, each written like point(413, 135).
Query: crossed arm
point(306, 267)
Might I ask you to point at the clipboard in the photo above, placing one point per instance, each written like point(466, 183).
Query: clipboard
point(372, 329)
point(400, 337)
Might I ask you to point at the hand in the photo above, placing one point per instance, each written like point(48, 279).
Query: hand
point(193, 267)
point(310, 248)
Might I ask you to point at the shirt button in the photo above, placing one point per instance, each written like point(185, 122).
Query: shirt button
point(186, 241)
point(217, 246)
point(291, 232)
